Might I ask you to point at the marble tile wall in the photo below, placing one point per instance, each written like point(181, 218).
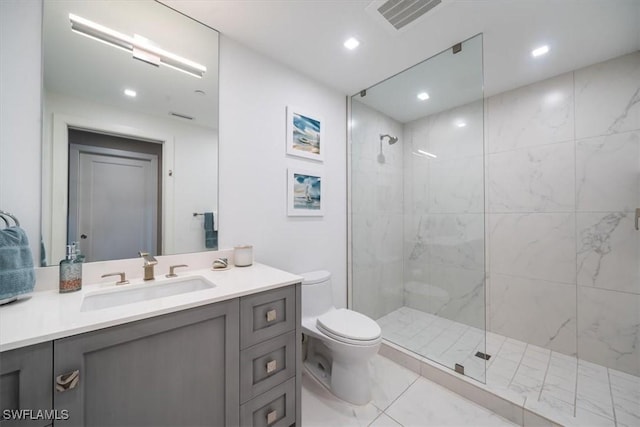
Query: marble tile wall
point(559, 180)
point(377, 213)
point(563, 167)
point(444, 215)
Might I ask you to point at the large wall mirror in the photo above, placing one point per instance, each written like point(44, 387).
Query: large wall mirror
point(130, 130)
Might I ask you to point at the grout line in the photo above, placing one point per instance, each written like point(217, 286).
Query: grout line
point(456, 341)
point(400, 424)
point(519, 363)
point(544, 379)
point(399, 396)
point(377, 416)
point(575, 209)
point(613, 406)
point(575, 392)
point(496, 354)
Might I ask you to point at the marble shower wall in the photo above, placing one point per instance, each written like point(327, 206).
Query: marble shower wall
point(444, 215)
point(377, 208)
point(563, 165)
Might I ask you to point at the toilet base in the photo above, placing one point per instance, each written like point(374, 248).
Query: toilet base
point(352, 382)
point(345, 373)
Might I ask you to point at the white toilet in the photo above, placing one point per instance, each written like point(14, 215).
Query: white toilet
point(339, 342)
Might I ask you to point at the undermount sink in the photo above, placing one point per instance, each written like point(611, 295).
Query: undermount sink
point(128, 294)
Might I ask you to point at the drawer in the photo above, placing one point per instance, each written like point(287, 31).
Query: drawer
point(275, 408)
point(266, 315)
point(267, 364)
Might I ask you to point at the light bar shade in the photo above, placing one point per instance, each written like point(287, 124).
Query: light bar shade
point(139, 46)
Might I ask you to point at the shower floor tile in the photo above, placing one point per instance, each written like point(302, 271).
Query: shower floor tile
point(563, 388)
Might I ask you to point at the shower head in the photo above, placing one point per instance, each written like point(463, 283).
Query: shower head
point(392, 139)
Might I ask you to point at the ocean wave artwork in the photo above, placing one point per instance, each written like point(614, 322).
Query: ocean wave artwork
point(306, 134)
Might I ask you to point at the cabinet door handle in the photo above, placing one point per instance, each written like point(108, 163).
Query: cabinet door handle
point(67, 381)
point(272, 416)
point(271, 315)
point(637, 217)
point(271, 366)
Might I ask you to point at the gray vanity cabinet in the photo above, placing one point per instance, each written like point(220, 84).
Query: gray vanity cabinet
point(270, 341)
point(232, 363)
point(25, 385)
point(180, 369)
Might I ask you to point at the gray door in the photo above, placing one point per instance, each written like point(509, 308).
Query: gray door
point(180, 369)
point(113, 202)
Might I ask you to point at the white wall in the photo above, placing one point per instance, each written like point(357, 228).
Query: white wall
point(254, 93)
point(20, 86)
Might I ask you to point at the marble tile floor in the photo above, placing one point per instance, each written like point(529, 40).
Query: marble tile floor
point(562, 388)
point(400, 398)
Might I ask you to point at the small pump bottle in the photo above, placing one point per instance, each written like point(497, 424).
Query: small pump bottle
point(70, 272)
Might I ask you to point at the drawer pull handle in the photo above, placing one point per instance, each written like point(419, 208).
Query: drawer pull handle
point(271, 315)
point(272, 366)
point(272, 417)
point(67, 381)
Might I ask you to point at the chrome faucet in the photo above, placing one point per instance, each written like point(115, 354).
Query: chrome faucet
point(149, 262)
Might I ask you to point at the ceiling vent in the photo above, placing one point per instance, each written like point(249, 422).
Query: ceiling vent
point(398, 14)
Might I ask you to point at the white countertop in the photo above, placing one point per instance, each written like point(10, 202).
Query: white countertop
point(49, 315)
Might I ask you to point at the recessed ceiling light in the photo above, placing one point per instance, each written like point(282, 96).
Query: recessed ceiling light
point(130, 92)
point(540, 51)
point(423, 96)
point(461, 124)
point(351, 43)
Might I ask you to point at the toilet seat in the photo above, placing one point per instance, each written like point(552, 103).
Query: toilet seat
point(349, 327)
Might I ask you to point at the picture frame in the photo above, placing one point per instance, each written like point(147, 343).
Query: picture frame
point(305, 134)
point(305, 192)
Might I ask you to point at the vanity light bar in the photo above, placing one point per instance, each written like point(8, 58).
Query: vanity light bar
point(140, 47)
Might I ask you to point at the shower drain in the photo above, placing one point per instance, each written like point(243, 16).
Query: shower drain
point(482, 355)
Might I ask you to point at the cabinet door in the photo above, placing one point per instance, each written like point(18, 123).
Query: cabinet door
point(177, 369)
point(26, 386)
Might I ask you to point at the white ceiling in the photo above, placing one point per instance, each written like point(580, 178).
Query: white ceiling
point(79, 67)
point(307, 35)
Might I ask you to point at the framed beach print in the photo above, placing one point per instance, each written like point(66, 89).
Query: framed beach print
point(305, 193)
point(305, 134)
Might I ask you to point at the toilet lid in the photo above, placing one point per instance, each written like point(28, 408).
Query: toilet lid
point(349, 324)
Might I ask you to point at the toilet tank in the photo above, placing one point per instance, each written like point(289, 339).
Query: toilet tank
point(317, 296)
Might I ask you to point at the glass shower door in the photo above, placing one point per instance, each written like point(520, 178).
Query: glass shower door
point(417, 208)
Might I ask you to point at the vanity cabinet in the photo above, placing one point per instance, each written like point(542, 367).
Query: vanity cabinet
point(231, 363)
point(180, 369)
point(25, 385)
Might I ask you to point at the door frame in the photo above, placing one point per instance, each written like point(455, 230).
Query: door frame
point(55, 178)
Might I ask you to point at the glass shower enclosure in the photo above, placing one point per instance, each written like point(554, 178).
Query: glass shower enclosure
point(417, 214)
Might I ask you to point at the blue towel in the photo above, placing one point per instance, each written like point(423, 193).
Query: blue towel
point(17, 275)
point(210, 235)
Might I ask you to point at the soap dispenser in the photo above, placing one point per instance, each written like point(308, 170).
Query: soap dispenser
point(70, 272)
